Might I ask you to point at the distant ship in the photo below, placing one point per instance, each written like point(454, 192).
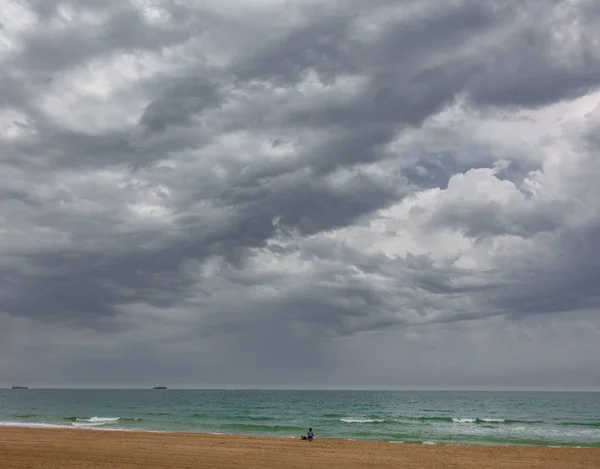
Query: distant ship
point(159, 387)
point(19, 387)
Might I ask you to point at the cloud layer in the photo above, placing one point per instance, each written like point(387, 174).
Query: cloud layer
point(209, 194)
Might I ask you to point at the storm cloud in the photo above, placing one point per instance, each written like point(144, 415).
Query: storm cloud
point(208, 194)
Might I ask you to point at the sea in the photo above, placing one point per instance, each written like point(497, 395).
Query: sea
point(426, 417)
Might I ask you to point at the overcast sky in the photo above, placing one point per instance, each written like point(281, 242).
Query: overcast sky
point(300, 193)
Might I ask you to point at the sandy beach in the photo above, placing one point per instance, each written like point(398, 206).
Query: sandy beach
point(54, 448)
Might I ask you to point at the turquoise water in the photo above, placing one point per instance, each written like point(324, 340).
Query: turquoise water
point(507, 418)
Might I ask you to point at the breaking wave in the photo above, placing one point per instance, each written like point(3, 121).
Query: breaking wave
point(94, 421)
point(472, 420)
point(475, 420)
point(459, 420)
point(360, 420)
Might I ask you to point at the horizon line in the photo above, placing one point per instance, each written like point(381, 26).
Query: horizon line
point(253, 388)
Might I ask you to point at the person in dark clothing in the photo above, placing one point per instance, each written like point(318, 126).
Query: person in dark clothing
point(309, 435)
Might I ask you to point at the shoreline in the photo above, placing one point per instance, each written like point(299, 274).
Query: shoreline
point(442, 418)
point(77, 448)
point(50, 428)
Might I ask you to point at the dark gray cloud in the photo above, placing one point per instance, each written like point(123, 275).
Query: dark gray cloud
point(557, 58)
point(182, 100)
point(369, 180)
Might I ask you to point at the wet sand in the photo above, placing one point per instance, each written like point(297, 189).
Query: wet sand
point(90, 449)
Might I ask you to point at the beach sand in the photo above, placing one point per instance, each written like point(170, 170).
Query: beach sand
point(55, 448)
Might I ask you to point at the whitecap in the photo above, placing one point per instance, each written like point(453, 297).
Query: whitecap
point(456, 420)
point(360, 420)
point(100, 419)
point(95, 421)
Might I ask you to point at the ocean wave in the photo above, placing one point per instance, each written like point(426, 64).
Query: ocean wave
point(461, 420)
point(257, 418)
point(95, 421)
point(236, 427)
point(360, 420)
point(475, 420)
point(33, 425)
point(104, 420)
point(100, 419)
point(55, 426)
point(581, 424)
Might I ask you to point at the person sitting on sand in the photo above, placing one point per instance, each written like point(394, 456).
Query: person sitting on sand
point(309, 435)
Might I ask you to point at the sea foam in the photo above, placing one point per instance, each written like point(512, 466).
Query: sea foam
point(57, 426)
point(360, 420)
point(32, 425)
point(95, 421)
point(477, 420)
